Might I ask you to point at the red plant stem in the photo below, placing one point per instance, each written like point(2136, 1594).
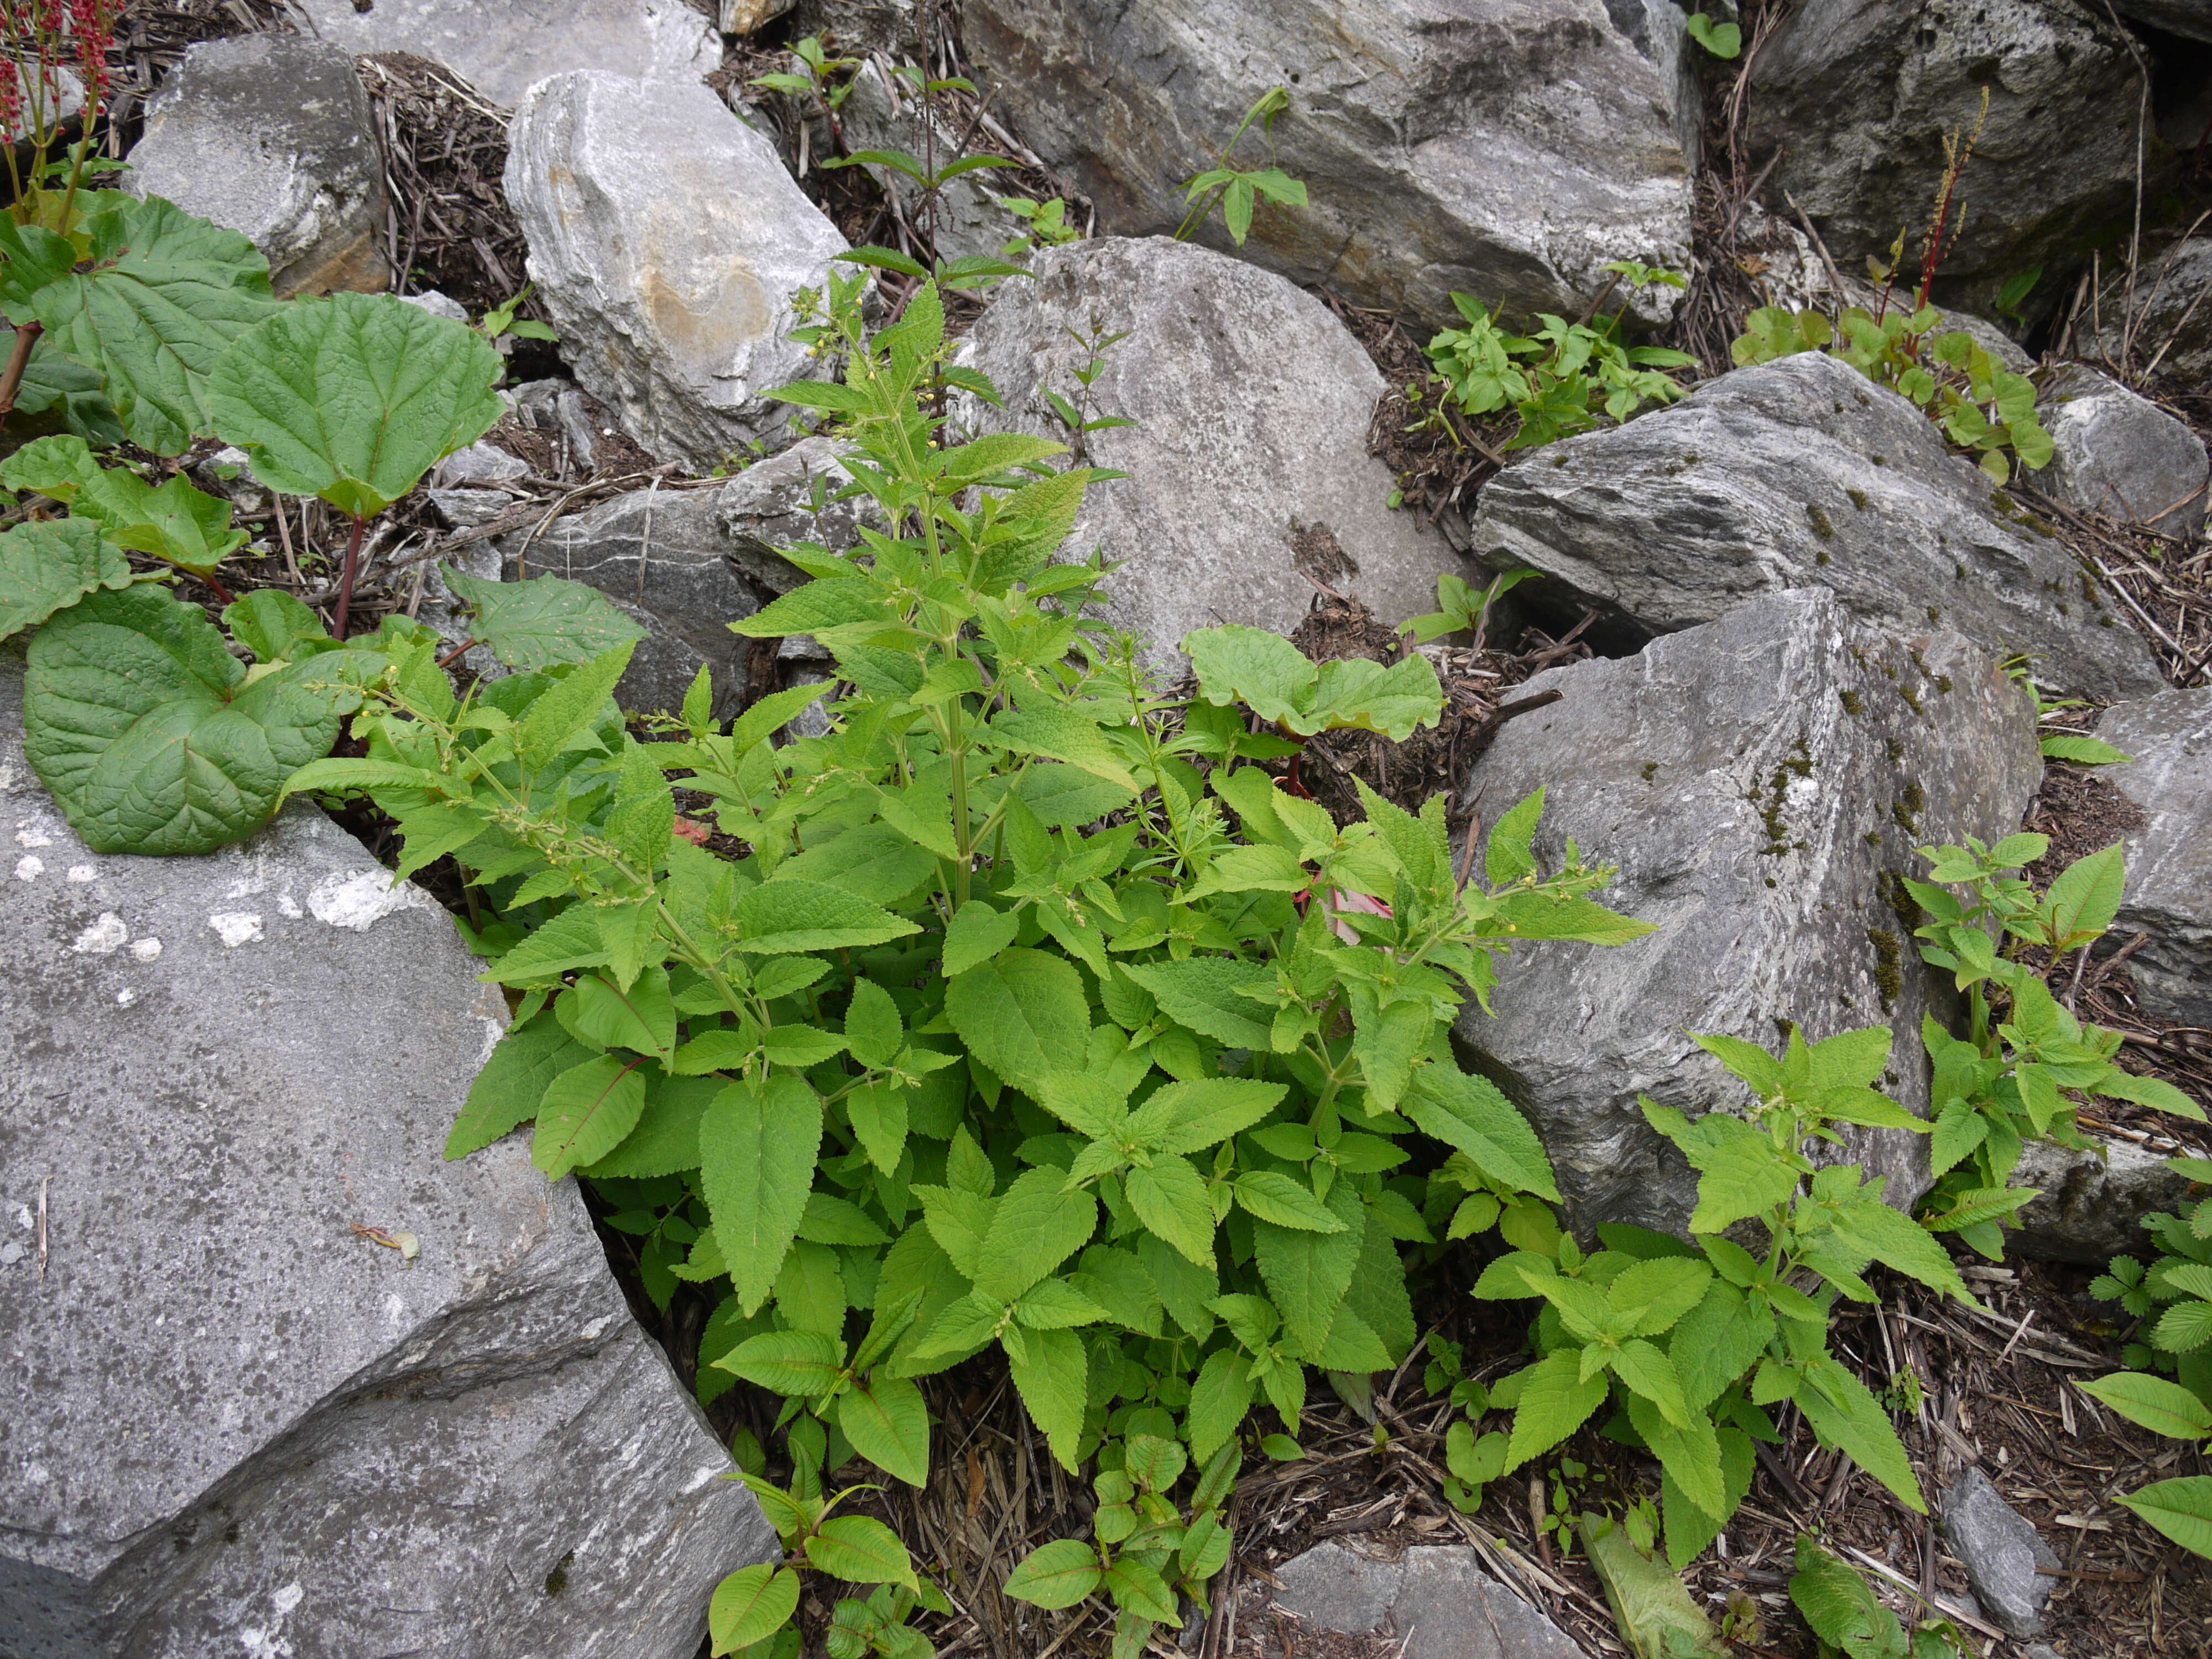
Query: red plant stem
point(220, 592)
point(459, 652)
point(352, 570)
point(12, 382)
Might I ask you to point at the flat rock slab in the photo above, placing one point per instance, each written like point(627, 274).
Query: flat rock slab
point(2119, 454)
point(270, 135)
point(1436, 1601)
point(229, 1414)
point(2169, 891)
point(667, 240)
point(501, 47)
point(1507, 149)
point(1249, 478)
point(1797, 473)
point(1761, 782)
point(2001, 1553)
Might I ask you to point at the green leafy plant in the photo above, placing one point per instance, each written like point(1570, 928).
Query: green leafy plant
point(1462, 607)
point(1848, 1621)
point(1982, 407)
point(2008, 1079)
point(1723, 40)
point(2057, 742)
point(1563, 378)
point(2176, 1286)
point(1131, 1108)
point(1046, 225)
point(1652, 1607)
point(1237, 191)
point(1694, 1343)
point(501, 321)
point(814, 74)
point(2181, 1508)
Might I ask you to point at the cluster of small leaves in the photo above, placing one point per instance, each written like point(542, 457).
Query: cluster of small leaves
point(1563, 380)
point(152, 736)
point(1046, 225)
point(1461, 606)
point(2172, 1291)
point(1237, 190)
point(2010, 1079)
point(1982, 406)
point(1694, 1344)
point(1030, 1022)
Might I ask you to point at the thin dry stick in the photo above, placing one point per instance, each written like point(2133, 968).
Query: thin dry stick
point(2142, 131)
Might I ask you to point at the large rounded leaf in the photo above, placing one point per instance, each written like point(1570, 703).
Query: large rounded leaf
point(354, 398)
point(138, 719)
point(48, 565)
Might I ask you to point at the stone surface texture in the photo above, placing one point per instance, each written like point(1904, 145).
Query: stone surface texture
point(1801, 472)
point(2120, 454)
point(2171, 317)
point(660, 555)
point(1504, 148)
point(771, 504)
point(1252, 405)
point(270, 135)
point(2092, 1206)
point(2001, 1553)
point(1860, 95)
point(230, 1420)
point(667, 240)
point(1436, 1597)
point(2189, 18)
point(2170, 859)
point(1760, 781)
point(878, 115)
point(501, 48)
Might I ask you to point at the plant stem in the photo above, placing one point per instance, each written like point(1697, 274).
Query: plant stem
point(12, 382)
point(352, 571)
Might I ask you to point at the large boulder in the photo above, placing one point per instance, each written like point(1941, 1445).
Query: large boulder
point(2119, 454)
point(1438, 1598)
point(501, 48)
point(1801, 472)
point(660, 555)
point(1858, 98)
point(1249, 479)
point(234, 1415)
point(1761, 782)
point(667, 240)
point(2169, 322)
point(1509, 148)
point(270, 135)
point(2169, 891)
point(2090, 1205)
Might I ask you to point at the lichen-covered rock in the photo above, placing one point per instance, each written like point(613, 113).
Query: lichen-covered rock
point(1506, 148)
point(2119, 454)
point(1801, 472)
point(2001, 1553)
point(502, 47)
point(270, 135)
point(2169, 891)
point(660, 555)
point(1249, 479)
point(1436, 1597)
point(2092, 1204)
point(234, 1416)
point(1859, 95)
point(1761, 781)
point(666, 241)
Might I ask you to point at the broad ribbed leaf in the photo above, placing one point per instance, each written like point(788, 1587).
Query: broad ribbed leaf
point(791, 1363)
point(781, 917)
point(507, 1092)
point(66, 394)
point(1034, 1228)
point(138, 719)
point(1555, 1401)
point(2161, 1406)
point(353, 399)
point(1052, 1373)
point(757, 1149)
point(541, 621)
point(1308, 1273)
point(888, 1425)
point(152, 310)
point(861, 1550)
point(588, 1111)
point(1023, 1013)
point(1056, 1575)
point(1169, 1197)
point(48, 566)
point(751, 1604)
point(1202, 993)
point(1270, 676)
point(1471, 1116)
point(2181, 1509)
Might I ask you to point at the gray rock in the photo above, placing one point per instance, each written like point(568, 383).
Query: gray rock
point(439, 305)
point(2001, 1553)
point(558, 406)
point(878, 116)
point(467, 509)
point(1507, 148)
point(501, 48)
point(2092, 1206)
point(1761, 781)
point(1797, 472)
point(2169, 889)
point(661, 557)
point(744, 17)
point(2170, 321)
point(772, 504)
point(1859, 97)
point(1437, 1598)
point(2120, 454)
point(480, 463)
point(228, 1416)
point(1248, 467)
point(2191, 18)
point(667, 240)
point(270, 135)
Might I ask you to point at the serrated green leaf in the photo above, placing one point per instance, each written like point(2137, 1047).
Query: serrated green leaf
point(791, 1363)
point(542, 620)
point(1053, 1374)
point(1202, 993)
point(1169, 1197)
point(354, 398)
point(2181, 1509)
point(1307, 1272)
point(1472, 1116)
point(1555, 1400)
point(1023, 1013)
point(1036, 1227)
point(757, 1143)
point(586, 1112)
point(782, 918)
point(1220, 1398)
point(507, 1092)
point(2161, 1406)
